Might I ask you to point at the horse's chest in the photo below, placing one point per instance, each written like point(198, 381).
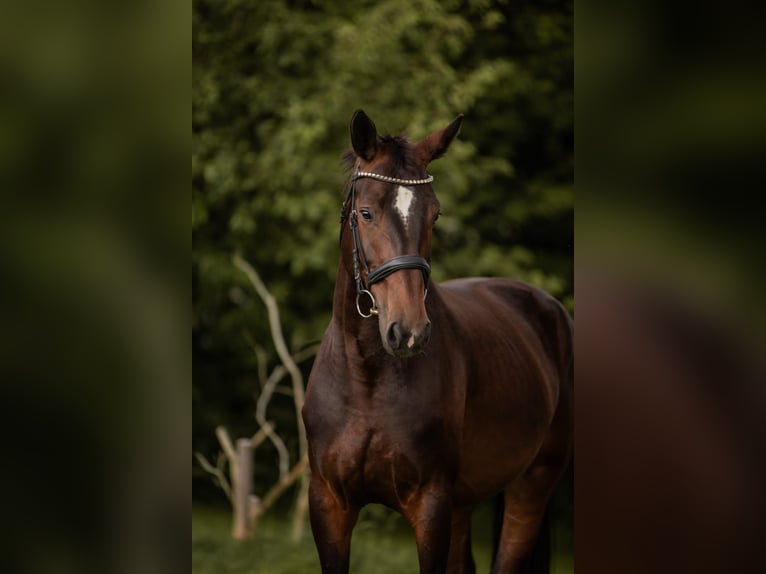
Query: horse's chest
point(376, 460)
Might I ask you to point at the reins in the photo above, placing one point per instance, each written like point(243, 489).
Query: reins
point(388, 267)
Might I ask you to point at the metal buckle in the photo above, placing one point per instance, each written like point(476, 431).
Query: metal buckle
point(373, 308)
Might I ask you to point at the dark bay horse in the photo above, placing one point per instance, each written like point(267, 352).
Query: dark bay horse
point(431, 398)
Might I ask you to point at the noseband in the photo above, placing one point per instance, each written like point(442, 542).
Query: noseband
point(388, 267)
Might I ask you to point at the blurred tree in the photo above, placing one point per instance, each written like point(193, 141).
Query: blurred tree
point(274, 85)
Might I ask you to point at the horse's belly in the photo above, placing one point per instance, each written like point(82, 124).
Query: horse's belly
point(486, 472)
point(500, 440)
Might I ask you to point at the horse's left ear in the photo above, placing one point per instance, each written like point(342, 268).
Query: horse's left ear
point(364, 135)
point(435, 145)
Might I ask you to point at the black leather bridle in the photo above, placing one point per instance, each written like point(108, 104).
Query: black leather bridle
point(388, 267)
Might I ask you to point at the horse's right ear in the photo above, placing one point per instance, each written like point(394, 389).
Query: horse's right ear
point(435, 145)
point(364, 135)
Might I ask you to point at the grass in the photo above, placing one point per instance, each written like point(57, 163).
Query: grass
point(382, 543)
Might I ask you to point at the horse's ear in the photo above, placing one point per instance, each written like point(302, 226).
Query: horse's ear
point(435, 145)
point(364, 135)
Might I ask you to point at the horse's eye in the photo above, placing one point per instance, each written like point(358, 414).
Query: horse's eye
point(438, 215)
point(366, 215)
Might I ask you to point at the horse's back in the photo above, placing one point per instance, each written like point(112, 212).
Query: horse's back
point(514, 304)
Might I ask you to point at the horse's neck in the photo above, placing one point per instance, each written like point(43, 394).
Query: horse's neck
point(360, 336)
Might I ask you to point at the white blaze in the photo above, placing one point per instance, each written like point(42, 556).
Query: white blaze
point(403, 202)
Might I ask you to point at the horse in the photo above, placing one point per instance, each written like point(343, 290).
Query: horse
point(431, 398)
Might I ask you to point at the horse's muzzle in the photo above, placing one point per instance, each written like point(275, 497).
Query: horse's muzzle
point(403, 342)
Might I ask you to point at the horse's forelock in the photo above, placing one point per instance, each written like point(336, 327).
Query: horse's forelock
point(396, 149)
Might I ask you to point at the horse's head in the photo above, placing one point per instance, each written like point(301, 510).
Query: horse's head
point(391, 209)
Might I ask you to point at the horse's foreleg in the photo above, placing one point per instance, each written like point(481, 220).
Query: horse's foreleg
point(431, 518)
point(331, 525)
point(460, 554)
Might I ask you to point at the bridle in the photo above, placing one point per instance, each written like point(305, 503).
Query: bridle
point(388, 267)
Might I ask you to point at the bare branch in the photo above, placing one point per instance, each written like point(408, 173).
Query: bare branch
point(284, 483)
point(267, 431)
point(280, 345)
point(261, 435)
point(268, 385)
point(287, 391)
point(261, 358)
point(268, 428)
point(223, 438)
point(282, 452)
point(306, 353)
point(216, 472)
point(279, 371)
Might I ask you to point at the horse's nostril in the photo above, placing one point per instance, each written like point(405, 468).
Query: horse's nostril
point(394, 335)
point(426, 335)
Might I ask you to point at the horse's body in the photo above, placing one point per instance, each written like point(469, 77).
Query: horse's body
point(431, 428)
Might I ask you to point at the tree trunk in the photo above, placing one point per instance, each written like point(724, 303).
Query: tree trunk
point(243, 480)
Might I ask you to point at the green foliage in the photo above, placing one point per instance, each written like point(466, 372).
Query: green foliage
point(274, 85)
